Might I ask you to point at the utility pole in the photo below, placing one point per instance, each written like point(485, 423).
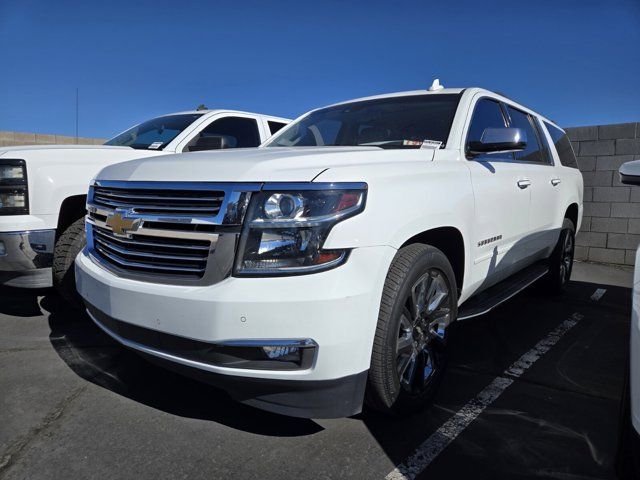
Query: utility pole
point(77, 95)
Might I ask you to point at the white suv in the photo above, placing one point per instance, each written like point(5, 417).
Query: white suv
point(332, 259)
point(43, 189)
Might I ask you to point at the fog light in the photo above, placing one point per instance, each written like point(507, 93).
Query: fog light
point(285, 354)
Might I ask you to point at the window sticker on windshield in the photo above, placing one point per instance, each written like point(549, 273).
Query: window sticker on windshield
point(434, 144)
point(411, 143)
point(155, 145)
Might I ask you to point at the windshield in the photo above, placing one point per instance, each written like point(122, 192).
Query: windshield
point(396, 122)
point(156, 133)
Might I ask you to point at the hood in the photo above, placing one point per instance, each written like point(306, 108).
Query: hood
point(271, 164)
point(21, 148)
point(50, 155)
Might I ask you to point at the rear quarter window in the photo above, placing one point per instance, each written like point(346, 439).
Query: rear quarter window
point(275, 126)
point(563, 146)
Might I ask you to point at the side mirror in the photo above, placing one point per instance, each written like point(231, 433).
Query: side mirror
point(630, 173)
point(212, 142)
point(496, 140)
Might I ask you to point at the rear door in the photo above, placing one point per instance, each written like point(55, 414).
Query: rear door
point(502, 199)
point(546, 198)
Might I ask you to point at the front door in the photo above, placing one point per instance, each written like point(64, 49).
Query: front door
point(502, 202)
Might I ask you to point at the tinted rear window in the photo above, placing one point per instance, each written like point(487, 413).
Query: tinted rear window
point(563, 146)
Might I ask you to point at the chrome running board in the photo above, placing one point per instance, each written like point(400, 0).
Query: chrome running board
point(499, 293)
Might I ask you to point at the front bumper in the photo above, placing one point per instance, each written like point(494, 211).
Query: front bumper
point(26, 258)
point(336, 309)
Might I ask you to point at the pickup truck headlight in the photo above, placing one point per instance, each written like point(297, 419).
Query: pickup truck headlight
point(286, 227)
point(13, 187)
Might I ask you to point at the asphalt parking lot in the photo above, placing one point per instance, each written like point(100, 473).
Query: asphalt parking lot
point(532, 390)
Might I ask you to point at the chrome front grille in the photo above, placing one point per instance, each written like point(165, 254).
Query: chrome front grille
point(166, 232)
point(160, 202)
point(153, 254)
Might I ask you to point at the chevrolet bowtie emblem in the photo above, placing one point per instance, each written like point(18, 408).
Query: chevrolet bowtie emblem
point(121, 224)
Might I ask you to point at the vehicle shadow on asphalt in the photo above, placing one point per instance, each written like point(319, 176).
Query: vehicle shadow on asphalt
point(21, 302)
point(95, 357)
point(561, 416)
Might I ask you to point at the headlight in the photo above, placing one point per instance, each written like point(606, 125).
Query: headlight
point(286, 227)
point(13, 187)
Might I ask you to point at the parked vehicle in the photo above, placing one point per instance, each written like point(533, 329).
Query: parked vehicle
point(629, 445)
point(43, 189)
point(331, 260)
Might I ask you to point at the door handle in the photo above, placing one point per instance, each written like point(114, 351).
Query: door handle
point(524, 183)
point(555, 182)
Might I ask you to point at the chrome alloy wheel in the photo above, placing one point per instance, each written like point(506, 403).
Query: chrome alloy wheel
point(566, 260)
point(421, 333)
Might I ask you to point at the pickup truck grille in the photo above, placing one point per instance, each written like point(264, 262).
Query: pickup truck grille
point(160, 202)
point(166, 232)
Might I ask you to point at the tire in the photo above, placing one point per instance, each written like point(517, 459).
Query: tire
point(561, 260)
point(69, 244)
point(628, 454)
point(407, 346)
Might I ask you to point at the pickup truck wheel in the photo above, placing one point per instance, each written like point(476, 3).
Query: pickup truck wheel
point(69, 244)
point(561, 260)
point(419, 301)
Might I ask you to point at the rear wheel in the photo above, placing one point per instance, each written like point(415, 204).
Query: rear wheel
point(409, 353)
point(69, 244)
point(561, 260)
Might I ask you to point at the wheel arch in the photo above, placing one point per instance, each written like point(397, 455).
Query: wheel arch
point(71, 209)
point(572, 213)
point(451, 242)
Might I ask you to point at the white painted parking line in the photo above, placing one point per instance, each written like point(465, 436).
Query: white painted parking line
point(447, 433)
point(597, 295)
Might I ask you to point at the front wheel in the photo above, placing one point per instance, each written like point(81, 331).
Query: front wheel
point(67, 248)
point(419, 301)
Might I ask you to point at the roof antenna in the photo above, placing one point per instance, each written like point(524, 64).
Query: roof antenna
point(435, 86)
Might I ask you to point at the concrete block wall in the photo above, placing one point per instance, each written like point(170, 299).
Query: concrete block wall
point(611, 226)
point(12, 139)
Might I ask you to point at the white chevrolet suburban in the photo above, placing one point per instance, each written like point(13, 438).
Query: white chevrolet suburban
point(329, 262)
point(43, 189)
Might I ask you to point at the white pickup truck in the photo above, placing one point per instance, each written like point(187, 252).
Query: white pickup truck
point(330, 261)
point(43, 189)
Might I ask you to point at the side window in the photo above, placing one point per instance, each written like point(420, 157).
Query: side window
point(239, 132)
point(275, 126)
point(563, 146)
point(487, 114)
point(524, 121)
point(546, 148)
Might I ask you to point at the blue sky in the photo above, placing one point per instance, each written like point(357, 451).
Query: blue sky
point(577, 62)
